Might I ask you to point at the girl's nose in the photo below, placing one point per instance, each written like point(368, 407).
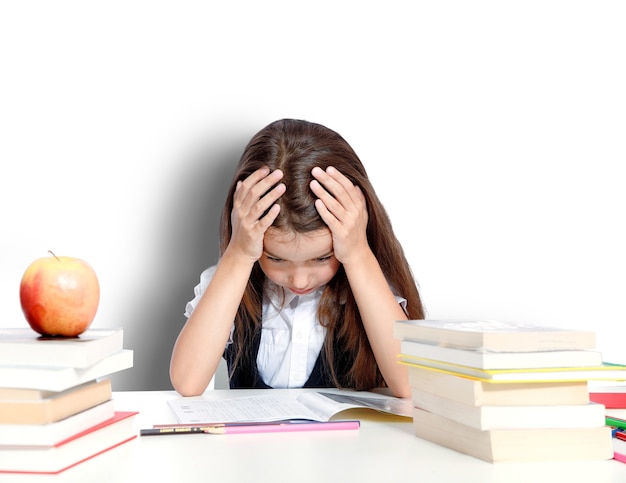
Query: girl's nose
point(298, 278)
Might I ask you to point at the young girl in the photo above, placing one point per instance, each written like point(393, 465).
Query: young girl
point(310, 278)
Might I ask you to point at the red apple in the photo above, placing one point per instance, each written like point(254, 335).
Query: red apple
point(59, 295)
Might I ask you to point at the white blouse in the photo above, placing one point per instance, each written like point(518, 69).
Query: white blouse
point(291, 335)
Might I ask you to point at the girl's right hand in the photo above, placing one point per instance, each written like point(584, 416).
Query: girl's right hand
point(250, 201)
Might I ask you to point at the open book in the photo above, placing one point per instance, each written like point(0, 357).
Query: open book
point(314, 406)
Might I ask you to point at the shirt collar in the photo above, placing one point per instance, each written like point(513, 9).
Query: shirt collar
point(278, 294)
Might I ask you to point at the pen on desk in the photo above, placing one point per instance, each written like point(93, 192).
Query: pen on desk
point(248, 428)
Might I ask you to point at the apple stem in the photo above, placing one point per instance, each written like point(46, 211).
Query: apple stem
point(52, 253)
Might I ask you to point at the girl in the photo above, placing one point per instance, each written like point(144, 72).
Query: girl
point(310, 278)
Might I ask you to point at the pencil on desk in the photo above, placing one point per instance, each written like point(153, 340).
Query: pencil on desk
point(243, 428)
point(285, 428)
point(166, 431)
point(234, 423)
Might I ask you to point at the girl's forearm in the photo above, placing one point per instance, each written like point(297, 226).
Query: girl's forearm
point(201, 342)
point(379, 309)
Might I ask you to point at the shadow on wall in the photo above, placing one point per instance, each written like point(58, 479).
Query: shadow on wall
point(188, 242)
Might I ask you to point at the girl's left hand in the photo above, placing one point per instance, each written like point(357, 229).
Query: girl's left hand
point(343, 208)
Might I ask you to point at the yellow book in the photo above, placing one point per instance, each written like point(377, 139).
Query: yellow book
point(604, 371)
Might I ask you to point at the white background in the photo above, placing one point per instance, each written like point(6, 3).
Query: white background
point(494, 132)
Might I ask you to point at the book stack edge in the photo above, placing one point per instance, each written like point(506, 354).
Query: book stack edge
point(56, 407)
point(507, 392)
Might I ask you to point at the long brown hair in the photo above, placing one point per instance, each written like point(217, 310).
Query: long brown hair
point(296, 147)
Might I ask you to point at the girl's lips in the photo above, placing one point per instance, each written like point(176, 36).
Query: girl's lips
point(301, 292)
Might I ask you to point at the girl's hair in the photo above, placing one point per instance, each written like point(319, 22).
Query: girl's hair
point(296, 147)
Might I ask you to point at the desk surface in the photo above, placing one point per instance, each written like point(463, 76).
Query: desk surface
point(385, 449)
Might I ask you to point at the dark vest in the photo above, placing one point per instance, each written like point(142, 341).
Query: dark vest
point(248, 377)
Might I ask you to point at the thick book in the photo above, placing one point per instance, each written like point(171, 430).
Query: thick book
point(56, 406)
point(24, 346)
point(604, 372)
point(588, 415)
point(502, 360)
point(515, 445)
point(72, 451)
point(494, 335)
point(481, 393)
point(48, 378)
point(53, 433)
point(313, 406)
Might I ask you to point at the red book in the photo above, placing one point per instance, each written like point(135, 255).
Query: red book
point(612, 398)
point(72, 451)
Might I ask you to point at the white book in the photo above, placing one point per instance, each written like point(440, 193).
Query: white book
point(53, 433)
point(70, 452)
point(494, 335)
point(60, 378)
point(502, 360)
point(588, 415)
point(24, 346)
point(515, 445)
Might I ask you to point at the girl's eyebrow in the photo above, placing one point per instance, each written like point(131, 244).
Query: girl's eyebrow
point(271, 255)
point(329, 254)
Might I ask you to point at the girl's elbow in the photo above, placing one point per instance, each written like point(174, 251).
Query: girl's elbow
point(186, 389)
point(403, 392)
point(184, 385)
point(400, 389)
point(184, 392)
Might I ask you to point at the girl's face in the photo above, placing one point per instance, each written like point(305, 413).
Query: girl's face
point(299, 262)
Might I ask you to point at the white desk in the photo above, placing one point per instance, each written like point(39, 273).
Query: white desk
point(384, 449)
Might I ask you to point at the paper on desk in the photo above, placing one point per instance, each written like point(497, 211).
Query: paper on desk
point(316, 406)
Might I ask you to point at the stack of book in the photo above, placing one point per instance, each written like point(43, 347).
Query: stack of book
point(56, 407)
point(506, 392)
